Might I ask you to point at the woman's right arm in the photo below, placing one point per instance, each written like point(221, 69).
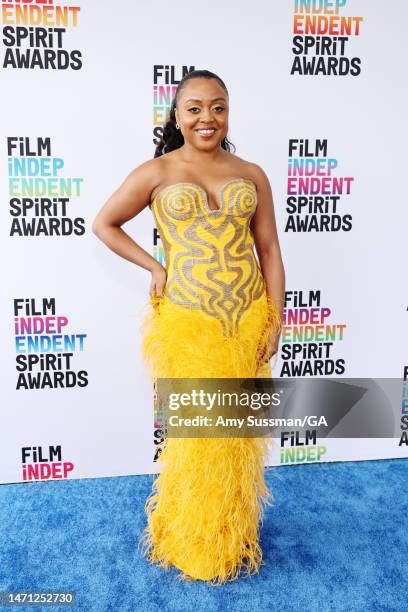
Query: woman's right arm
point(126, 202)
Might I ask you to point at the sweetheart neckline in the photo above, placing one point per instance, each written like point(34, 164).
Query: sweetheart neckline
point(204, 193)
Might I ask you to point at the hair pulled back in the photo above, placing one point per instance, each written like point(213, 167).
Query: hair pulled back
point(172, 138)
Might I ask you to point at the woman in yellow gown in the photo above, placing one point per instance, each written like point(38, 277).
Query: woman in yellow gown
point(213, 313)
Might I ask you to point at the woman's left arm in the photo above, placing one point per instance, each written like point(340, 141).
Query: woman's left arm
point(263, 226)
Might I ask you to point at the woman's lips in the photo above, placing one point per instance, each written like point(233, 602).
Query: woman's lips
point(206, 132)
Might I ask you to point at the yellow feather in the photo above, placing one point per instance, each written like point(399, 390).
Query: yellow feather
point(206, 505)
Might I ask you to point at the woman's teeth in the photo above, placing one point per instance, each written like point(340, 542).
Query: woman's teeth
point(206, 132)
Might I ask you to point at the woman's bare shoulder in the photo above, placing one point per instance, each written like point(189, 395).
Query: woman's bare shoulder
point(150, 166)
point(149, 174)
point(251, 170)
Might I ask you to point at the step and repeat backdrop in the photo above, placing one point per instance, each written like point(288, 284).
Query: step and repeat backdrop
point(317, 98)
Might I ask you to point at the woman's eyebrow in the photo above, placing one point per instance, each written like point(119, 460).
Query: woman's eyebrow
point(198, 99)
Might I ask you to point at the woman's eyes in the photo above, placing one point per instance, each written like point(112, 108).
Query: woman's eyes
point(196, 107)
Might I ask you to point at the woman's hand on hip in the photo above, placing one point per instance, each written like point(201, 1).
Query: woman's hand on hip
point(158, 281)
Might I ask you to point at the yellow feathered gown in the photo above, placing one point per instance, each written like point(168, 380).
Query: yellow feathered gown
point(206, 506)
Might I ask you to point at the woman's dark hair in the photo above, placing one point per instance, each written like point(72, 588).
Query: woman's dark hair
point(172, 138)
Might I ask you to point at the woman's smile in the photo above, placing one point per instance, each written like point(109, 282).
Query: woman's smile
point(206, 132)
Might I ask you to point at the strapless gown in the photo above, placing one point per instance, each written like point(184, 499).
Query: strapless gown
point(207, 504)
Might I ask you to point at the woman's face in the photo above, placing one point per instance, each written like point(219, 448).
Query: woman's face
point(203, 105)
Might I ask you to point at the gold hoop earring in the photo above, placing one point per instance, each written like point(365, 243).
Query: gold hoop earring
point(177, 126)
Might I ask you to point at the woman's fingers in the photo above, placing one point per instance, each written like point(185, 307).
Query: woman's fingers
point(155, 290)
point(270, 349)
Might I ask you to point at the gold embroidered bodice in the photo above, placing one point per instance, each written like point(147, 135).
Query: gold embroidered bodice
point(210, 259)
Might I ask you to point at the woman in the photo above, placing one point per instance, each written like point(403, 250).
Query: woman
point(215, 312)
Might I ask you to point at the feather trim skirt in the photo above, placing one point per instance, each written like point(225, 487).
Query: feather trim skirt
point(207, 504)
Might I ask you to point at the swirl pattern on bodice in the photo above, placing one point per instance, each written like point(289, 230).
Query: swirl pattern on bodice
point(211, 264)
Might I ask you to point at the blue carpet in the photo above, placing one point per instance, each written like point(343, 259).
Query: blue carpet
point(336, 539)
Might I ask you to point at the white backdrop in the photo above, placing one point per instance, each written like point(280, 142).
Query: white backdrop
point(99, 116)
